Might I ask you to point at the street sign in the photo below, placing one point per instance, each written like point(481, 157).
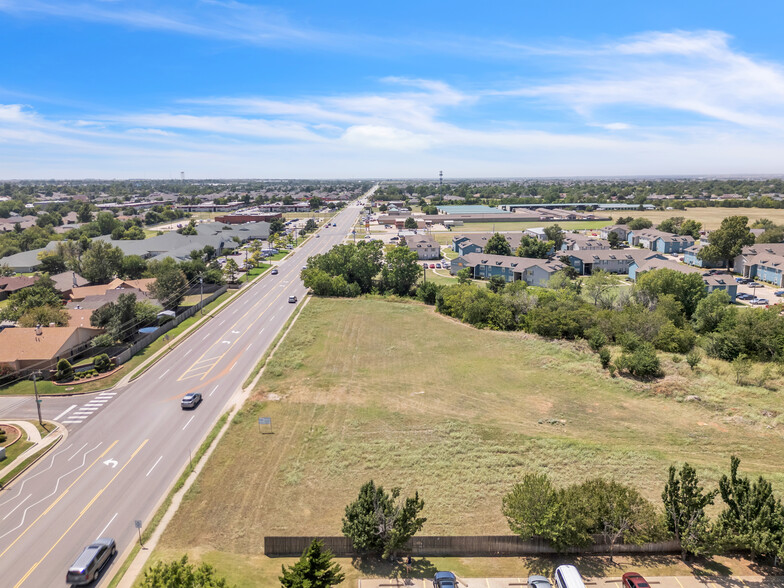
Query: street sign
point(137, 524)
point(265, 420)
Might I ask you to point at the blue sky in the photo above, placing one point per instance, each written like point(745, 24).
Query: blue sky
point(525, 88)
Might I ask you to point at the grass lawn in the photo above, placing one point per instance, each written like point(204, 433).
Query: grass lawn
point(369, 388)
point(709, 217)
point(280, 255)
point(253, 272)
point(440, 278)
point(46, 387)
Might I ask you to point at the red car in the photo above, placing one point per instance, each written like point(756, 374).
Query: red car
point(432, 266)
point(634, 580)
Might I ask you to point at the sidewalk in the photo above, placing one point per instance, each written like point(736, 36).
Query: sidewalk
point(39, 444)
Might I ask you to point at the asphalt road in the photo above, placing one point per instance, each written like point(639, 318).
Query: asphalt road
point(126, 447)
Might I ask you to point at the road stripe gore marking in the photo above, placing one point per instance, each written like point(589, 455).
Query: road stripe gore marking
point(81, 514)
point(58, 499)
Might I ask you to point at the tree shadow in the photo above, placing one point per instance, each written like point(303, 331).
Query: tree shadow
point(420, 567)
point(703, 566)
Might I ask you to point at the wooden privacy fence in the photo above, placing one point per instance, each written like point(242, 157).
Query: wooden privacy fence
point(464, 546)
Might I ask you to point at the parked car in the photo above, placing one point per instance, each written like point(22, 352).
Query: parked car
point(438, 266)
point(760, 301)
point(304, 267)
point(539, 582)
point(317, 235)
point(568, 577)
point(292, 299)
point(779, 292)
point(432, 266)
point(754, 285)
point(274, 271)
point(444, 580)
point(395, 239)
point(744, 296)
point(87, 567)
point(424, 265)
point(634, 580)
point(190, 400)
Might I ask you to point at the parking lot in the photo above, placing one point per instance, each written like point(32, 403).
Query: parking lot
point(655, 582)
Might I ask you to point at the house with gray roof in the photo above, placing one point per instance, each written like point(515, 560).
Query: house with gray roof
point(712, 281)
point(534, 272)
point(614, 261)
point(424, 246)
point(660, 241)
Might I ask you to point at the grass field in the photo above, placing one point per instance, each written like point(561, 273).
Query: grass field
point(391, 391)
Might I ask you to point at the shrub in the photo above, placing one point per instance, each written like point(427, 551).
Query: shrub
point(640, 363)
point(693, 358)
point(605, 357)
point(596, 339)
point(102, 362)
point(64, 370)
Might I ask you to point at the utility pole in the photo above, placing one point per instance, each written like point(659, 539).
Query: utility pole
point(201, 295)
point(37, 400)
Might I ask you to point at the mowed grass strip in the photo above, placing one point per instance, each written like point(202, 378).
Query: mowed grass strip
point(370, 388)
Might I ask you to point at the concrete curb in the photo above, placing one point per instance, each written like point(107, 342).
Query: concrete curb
point(42, 448)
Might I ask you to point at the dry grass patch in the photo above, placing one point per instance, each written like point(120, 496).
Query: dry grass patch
point(392, 391)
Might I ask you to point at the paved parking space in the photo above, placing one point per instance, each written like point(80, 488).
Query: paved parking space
point(612, 582)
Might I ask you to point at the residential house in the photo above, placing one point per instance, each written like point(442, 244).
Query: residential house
point(621, 230)
point(11, 284)
point(580, 242)
point(476, 242)
point(613, 261)
point(41, 348)
point(66, 281)
point(660, 241)
point(690, 256)
point(534, 272)
point(424, 245)
point(762, 262)
point(536, 232)
point(117, 284)
point(712, 281)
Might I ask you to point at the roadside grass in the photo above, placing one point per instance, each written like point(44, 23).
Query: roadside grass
point(15, 450)
point(45, 387)
point(253, 272)
point(278, 256)
point(389, 390)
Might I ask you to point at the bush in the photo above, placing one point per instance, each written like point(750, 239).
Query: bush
point(64, 370)
point(605, 357)
point(693, 358)
point(640, 363)
point(102, 362)
point(596, 339)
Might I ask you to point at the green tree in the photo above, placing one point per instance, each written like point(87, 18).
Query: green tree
point(688, 289)
point(713, 311)
point(637, 224)
point(230, 270)
point(51, 263)
point(496, 284)
point(64, 370)
point(464, 276)
point(41, 293)
point(355, 263)
point(44, 315)
point(753, 518)
point(277, 226)
point(498, 245)
point(400, 271)
point(85, 214)
point(601, 286)
point(379, 524)
point(614, 240)
point(170, 284)
point(106, 222)
point(640, 363)
point(101, 262)
point(684, 506)
point(181, 574)
point(741, 367)
point(726, 242)
point(314, 569)
point(533, 248)
point(133, 267)
point(555, 234)
point(189, 229)
point(410, 223)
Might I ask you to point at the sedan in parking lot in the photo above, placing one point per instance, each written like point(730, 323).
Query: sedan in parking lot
point(539, 582)
point(779, 292)
point(432, 266)
point(438, 266)
point(759, 301)
point(444, 580)
point(634, 580)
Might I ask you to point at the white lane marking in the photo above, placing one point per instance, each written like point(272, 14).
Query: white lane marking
point(65, 412)
point(108, 394)
point(205, 336)
point(261, 330)
point(232, 366)
point(17, 506)
point(189, 422)
point(213, 390)
point(106, 527)
point(77, 452)
point(38, 473)
point(220, 323)
point(163, 374)
point(53, 492)
point(187, 352)
point(249, 346)
point(153, 466)
point(226, 342)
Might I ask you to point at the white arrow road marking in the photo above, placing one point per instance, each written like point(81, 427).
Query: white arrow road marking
point(236, 332)
point(106, 527)
point(111, 462)
point(65, 412)
point(226, 342)
point(153, 466)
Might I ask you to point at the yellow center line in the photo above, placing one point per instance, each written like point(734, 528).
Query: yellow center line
point(51, 506)
point(81, 514)
point(677, 580)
